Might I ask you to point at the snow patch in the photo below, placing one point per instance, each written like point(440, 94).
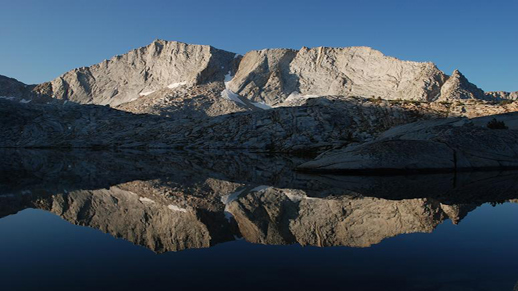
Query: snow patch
point(6, 97)
point(228, 94)
point(25, 101)
point(146, 200)
point(295, 197)
point(175, 85)
point(226, 199)
point(176, 208)
point(236, 56)
point(228, 78)
point(146, 93)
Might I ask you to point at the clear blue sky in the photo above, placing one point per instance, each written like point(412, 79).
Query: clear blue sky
point(40, 40)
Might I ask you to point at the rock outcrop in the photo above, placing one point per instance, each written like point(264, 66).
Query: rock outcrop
point(320, 123)
point(434, 145)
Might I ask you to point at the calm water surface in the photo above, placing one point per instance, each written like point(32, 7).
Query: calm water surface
point(175, 221)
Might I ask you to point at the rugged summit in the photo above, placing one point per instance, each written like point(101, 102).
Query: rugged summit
point(458, 87)
point(140, 72)
point(149, 75)
point(273, 75)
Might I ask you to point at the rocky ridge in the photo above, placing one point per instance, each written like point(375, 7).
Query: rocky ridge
point(260, 79)
point(315, 125)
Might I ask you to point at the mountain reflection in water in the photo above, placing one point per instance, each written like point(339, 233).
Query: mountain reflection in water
point(173, 201)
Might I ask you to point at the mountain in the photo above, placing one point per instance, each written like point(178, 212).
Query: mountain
point(272, 76)
point(156, 76)
point(176, 95)
point(140, 72)
point(458, 87)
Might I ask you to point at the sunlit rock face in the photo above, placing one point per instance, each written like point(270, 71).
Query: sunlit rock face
point(457, 87)
point(140, 72)
point(156, 77)
point(272, 75)
point(503, 95)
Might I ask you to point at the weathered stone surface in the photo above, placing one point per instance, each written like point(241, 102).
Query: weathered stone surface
point(446, 145)
point(321, 123)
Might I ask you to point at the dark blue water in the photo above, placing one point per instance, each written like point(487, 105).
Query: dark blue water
point(42, 251)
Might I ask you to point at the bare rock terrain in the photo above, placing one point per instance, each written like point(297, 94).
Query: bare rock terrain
point(455, 144)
